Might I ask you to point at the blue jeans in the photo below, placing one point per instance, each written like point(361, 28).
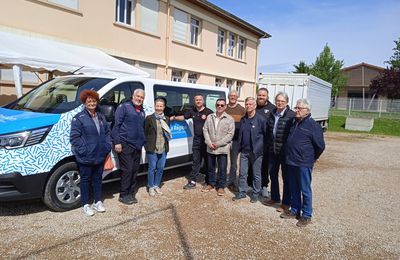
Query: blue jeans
point(156, 168)
point(276, 162)
point(233, 154)
point(91, 175)
point(222, 162)
point(248, 159)
point(300, 186)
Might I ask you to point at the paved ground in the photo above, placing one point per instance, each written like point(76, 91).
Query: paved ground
point(356, 202)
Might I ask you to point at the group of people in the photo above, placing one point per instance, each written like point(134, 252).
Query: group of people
point(269, 138)
point(92, 140)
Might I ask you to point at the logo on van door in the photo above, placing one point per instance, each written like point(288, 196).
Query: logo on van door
point(180, 130)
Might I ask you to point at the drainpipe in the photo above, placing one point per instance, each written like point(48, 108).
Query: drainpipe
point(255, 71)
point(167, 39)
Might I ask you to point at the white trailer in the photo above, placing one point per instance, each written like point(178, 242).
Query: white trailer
point(297, 86)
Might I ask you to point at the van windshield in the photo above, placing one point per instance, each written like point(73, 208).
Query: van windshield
point(58, 95)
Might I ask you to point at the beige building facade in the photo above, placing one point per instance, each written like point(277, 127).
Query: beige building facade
point(181, 40)
point(359, 79)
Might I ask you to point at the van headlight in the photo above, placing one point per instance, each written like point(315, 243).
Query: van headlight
point(22, 139)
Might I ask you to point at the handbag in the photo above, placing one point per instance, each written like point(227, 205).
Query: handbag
point(108, 163)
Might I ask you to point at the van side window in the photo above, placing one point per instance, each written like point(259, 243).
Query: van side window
point(117, 95)
point(180, 99)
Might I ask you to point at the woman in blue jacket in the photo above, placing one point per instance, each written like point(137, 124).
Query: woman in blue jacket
point(90, 142)
point(305, 144)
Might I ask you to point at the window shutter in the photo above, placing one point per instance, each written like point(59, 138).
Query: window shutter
point(149, 10)
point(180, 25)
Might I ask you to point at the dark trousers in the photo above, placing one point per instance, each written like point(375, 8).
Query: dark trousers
point(264, 170)
point(220, 182)
point(276, 162)
point(233, 154)
point(199, 153)
point(129, 160)
point(91, 175)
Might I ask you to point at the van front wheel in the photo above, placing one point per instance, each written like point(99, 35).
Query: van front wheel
point(62, 190)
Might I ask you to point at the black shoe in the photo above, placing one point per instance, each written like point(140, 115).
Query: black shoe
point(190, 185)
point(232, 188)
point(287, 214)
point(303, 222)
point(134, 200)
point(239, 196)
point(254, 198)
point(128, 200)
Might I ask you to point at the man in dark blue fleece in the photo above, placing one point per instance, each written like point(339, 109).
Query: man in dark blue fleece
point(128, 139)
point(305, 144)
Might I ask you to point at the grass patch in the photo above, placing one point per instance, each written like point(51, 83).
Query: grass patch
point(382, 126)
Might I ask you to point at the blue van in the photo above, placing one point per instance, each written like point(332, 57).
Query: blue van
point(35, 154)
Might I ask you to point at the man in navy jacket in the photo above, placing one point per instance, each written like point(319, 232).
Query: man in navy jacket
point(252, 132)
point(128, 139)
point(305, 144)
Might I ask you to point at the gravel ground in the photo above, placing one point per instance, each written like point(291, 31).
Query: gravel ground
point(356, 203)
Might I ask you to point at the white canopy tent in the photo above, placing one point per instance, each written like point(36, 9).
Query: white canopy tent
point(22, 52)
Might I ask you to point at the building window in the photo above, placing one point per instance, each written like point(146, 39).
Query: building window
point(180, 25)
point(149, 10)
point(241, 48)
point(194, 31)
point(239, 86)
point(149, 68)
point(192, 78)
point(218, 82)
point(27, 77)
point(176, 75)
point(73, 4)
point(125, 11)
point(229, 84)
point(221, 40)
point(231, 44)
point(182, 28)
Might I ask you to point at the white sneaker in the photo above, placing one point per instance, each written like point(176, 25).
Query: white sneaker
point(152, 192)
point(98, 206)
point(158, 190)
point(88, 210)
point(265, 192)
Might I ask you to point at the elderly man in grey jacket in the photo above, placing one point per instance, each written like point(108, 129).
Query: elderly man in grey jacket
point(218, 131)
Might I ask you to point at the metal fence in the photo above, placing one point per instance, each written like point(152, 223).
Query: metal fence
point(381, 108)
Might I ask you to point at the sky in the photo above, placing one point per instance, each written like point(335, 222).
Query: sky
point(356, 31)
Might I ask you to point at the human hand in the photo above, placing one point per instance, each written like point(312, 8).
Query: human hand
point(118, 148)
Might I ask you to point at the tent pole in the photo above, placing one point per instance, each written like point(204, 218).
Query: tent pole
point(18, 80)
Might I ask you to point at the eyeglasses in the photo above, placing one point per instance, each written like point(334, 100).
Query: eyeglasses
point(220, 105)
point(300, 108)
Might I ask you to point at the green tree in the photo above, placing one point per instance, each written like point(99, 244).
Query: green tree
point(302, 67)
point(326, 67)
point(394, 61)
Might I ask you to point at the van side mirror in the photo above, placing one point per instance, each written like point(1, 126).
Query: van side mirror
point(108, 111)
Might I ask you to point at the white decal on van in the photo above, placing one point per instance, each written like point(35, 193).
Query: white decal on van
point(4, 118)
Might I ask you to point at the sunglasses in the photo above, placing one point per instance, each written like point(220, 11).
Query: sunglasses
point(220, 105)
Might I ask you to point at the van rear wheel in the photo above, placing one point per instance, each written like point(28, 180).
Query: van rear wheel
point(62, 190)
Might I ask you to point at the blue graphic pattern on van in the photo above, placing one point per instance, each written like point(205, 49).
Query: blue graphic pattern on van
point(180, 129)
point(12, 121)
point(41, 157)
